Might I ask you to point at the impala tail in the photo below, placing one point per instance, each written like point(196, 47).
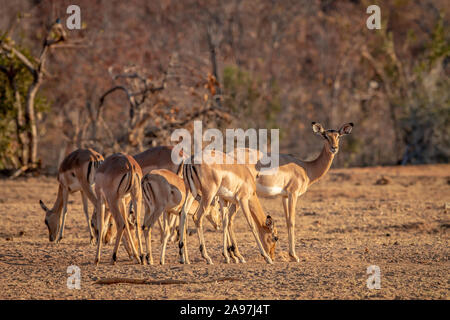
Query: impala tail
point(91, 173)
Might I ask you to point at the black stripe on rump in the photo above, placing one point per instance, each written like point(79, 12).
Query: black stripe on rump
point(89, 171)
point(130, 182)
point(196, 174)
point(121, 180)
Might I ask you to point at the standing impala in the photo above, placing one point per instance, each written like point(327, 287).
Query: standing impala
point(76, 173)
point(294, 176)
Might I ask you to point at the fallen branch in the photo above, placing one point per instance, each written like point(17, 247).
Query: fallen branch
point(19, 172)
point(158, 282)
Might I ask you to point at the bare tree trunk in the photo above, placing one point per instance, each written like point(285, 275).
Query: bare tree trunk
point(213, 56)
point(31, 121)
point(20, 124)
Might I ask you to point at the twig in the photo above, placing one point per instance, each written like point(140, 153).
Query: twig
point(19, 172)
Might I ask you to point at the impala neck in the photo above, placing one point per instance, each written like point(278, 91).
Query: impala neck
point(59, 203)
point(257, 213)
point(319, 167)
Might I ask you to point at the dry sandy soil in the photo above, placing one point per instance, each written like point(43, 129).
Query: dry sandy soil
point(345, 223)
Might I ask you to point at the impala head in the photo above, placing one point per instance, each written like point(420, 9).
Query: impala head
point(270, 237)
point(52, 221)
point(332, 136)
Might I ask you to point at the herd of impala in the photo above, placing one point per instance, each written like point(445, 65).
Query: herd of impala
point(117, 185)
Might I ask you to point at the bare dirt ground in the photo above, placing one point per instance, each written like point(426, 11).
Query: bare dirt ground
point(345, 223)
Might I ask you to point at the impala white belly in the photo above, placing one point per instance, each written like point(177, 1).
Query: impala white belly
point(269, 191)
point(226, 194)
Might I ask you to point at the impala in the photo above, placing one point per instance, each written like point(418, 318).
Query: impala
point(233, 183)
point(153, 158)
point(117, 181)
point(164, 193)
point(76, 173)
point(295, 176)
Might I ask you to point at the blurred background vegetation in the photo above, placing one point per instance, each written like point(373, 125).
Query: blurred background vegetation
point(139, 69)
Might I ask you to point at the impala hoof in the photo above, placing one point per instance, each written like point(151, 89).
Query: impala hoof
point(269, 261)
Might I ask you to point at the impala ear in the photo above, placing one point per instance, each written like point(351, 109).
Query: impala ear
point(43, 206)
point(346, 129)
point(317, 128)
point(269, 223)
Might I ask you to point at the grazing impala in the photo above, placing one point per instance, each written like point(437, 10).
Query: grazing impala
point(153, 158)
point(76, 173)
point(294, 176)
point(164, 193)
point(233, 183)
point(117, 180)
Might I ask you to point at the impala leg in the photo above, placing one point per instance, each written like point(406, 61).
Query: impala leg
point(137, 202)
point(234, 246)
point(225, 232)
point(120, 230)
point(174, 232)
point(110, 231)
point(289, 205)
point(247, 213)
point(183, 226)
point(129, 251)
point(120, 225)
point(167, 232)
point(204, 207)
point(161, 228)
point(230, 248)
point(127, 202)
point(148, 236)
point(100, 208)
point(185, 248)
point(129, 236)
point(88, 192)
point(64, 214)
point(84, 198)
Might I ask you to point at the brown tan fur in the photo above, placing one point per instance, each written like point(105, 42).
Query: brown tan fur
point(156, 158)
point(233, 183)
point(76, 173)
point(117, 180)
